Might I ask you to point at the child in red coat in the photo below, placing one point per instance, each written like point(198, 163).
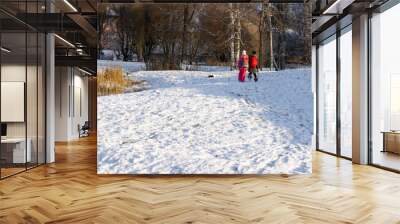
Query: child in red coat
point(243, 64)
point(253, 62)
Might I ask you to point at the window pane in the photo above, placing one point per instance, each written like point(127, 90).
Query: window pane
point(346, 93)
point(41, 99)
point(13, 86)
point(386, 88)
point(327, 96)
point(31, 97)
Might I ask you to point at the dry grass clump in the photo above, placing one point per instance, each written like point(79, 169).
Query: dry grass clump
point(112, 81)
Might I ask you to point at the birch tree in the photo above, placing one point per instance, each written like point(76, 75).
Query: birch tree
point(270, 37)
point(261, 30)
point(232, 36)
point(238, 33)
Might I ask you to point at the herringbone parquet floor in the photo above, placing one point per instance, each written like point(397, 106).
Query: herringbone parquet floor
point(69, 191)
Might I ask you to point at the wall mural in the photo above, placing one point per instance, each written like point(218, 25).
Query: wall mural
point(204, 89)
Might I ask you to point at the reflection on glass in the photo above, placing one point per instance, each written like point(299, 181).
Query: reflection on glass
point(346, 93)
point(386, 89)
point(14, 153)
point(327, 96)
point(395, 102)
point(22, 90)
point(31, 101)
point(41, 98)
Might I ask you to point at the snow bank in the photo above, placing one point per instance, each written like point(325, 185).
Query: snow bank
point(188, 123)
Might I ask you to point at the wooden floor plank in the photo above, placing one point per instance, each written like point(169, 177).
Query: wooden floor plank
point(70, 191)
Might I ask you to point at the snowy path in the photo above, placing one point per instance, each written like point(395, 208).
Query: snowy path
point(188, 123)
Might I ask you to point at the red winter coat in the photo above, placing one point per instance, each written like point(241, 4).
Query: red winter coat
point(243, 61)
point(253, 61)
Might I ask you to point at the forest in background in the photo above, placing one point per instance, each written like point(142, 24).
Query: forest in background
point(172, 36)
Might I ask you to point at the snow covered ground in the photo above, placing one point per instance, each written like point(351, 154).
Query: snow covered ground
point(188, 123)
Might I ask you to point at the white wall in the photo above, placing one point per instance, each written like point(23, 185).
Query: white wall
point(9, 73)
point(33, 126)
point(13, 72)
point(81, 94)
point(13, 101)
point(17, 73)
point(62, 82)
point(71, 87)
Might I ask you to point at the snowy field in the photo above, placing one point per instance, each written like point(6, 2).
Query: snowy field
point(187, 123)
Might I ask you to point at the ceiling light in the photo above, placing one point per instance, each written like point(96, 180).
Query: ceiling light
point(337, 7)
point(86, 72)
point(79, 51)
point(5, 50)
point(70, 5)
point(333, 6)
point(65, 41)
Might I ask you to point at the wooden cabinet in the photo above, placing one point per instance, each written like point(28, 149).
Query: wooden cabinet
point(391, 142)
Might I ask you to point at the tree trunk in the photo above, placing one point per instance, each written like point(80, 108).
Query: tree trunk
point(232, 37)
point(307, 32)
point(238, 33)
point(102, 17)
point(271, 44)
point(261, 29)
point(124, 47)
point(184, 32)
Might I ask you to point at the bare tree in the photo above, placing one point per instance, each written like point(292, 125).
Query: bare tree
point(270, 37)
point(307, 31)
point(148, 35)
point(238, 33)
point(261, 30)
point(281, 25)
point(124, 27)
point(168, 27)
point(188, 13)
point(232, 35)
point(102, 23)
point(168, 35)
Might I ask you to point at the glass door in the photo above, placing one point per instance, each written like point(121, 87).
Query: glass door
point(385, 89)
point(22, 77)
point(14, 154)
point(327, 95)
